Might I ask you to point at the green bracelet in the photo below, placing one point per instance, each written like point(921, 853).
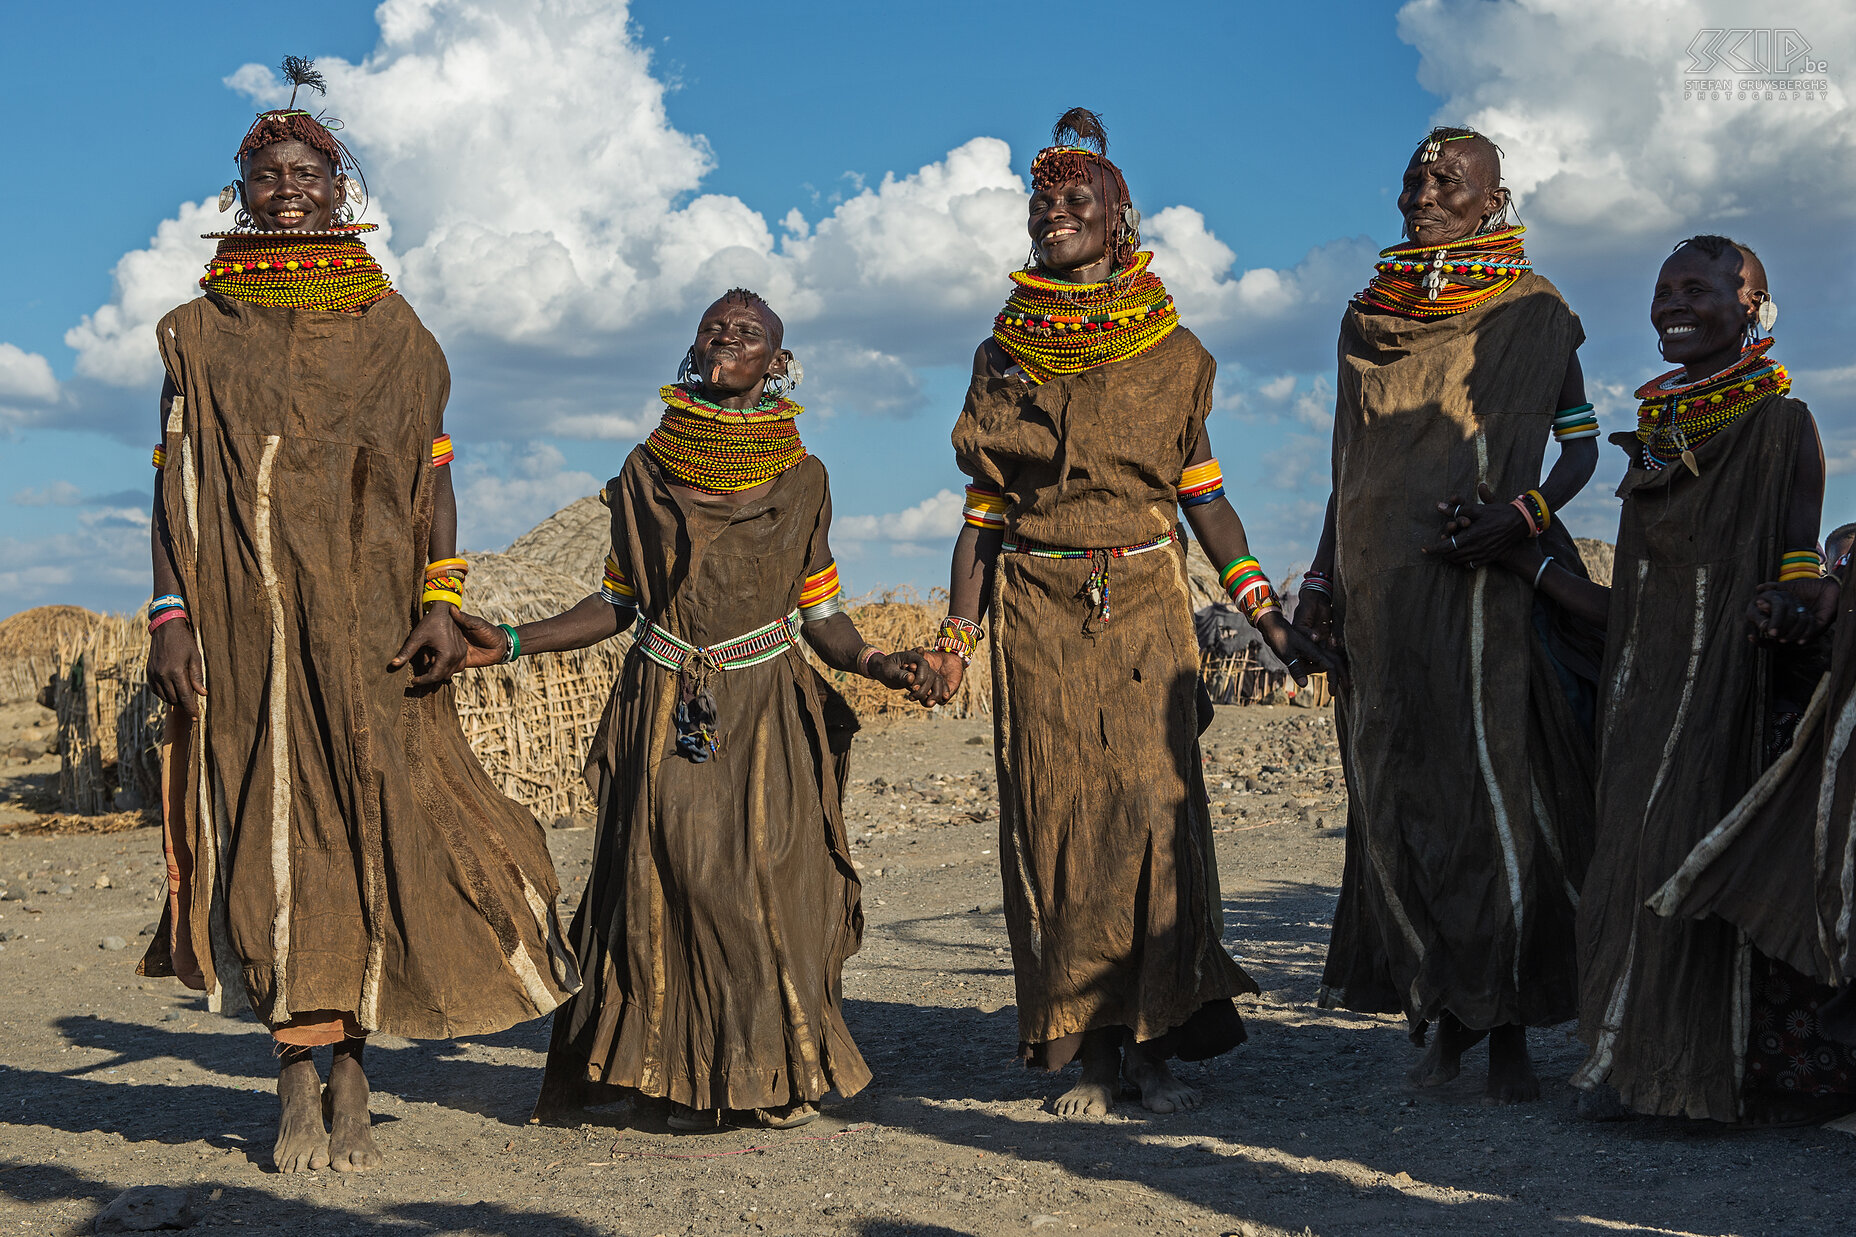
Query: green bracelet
point(515, 642)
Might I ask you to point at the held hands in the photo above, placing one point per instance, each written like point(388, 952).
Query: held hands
point(911, 671)
point(1298, 652)
point(950, 670)
point(1793, 612)
point(1314, 618)
point(1485, 532)
point(436, 649)
point(175, 670)
point(489, 646)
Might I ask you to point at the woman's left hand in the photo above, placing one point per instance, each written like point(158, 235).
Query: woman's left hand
point(436, 648)
point(1477, 534)
point(1298, 652)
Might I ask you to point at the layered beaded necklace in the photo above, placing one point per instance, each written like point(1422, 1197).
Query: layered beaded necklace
point(1053, 329)
point(1440, 281)
point(722, 450)
point(331, 270)
point(1674, 417)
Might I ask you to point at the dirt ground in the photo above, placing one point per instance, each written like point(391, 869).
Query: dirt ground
point(108, 1081)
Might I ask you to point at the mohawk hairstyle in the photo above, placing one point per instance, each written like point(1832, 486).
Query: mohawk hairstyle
point(754, 301)
point(1078, 142)
point(292, 124)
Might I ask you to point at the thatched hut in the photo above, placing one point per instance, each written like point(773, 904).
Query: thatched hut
point(531, 723)
point(29, 643)
point(573, 541)
point(109, 720)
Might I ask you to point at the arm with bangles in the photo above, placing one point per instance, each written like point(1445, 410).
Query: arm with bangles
point(435, 647)
point(175, 668)
point(1803, 600)
point(1499, 526)
point(1217, 528)
point(838, 643)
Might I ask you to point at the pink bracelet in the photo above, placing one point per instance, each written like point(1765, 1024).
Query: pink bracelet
point(164, 616)
point(1527, 515)
point(863, 658)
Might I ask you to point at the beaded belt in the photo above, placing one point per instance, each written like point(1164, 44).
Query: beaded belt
point(761, 644)
point(1050, 551)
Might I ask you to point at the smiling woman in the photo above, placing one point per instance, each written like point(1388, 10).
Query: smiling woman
point(325, 821)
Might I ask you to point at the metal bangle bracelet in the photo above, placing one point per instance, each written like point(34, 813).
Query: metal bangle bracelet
point(1544, 560)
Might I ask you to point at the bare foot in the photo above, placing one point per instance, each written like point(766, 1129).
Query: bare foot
point(1443, 1060)
point(1511, 1071)
point(302, 1141)
point(1094, 1095)
point(1160, 1090)
point(351, 1138)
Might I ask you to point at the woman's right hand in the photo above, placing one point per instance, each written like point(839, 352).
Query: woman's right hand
point(489, 644)
point(175, 669)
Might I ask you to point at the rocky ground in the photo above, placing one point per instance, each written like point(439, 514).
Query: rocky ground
point(109, 1082)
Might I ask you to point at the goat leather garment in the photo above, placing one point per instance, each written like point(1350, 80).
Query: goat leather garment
point(1111, 883)
point(334, 847)
point(1683, 726)
point(722, 901)
point(1795, 830)
point(1469, 772)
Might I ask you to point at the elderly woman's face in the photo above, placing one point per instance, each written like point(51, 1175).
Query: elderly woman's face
point(1448, 198)
point(289, 188)
point(735, 349)
point(1069, 225)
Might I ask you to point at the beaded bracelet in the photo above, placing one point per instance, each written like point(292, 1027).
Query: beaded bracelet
point(958, 636)
point(515, 643)
point(864, 658)
point(1249, 588)
point(1533, 508)
point(1800, 565)
point(1317, 582)
point(444, 581)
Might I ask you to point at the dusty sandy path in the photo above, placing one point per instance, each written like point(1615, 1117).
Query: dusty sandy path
point(107, 1081)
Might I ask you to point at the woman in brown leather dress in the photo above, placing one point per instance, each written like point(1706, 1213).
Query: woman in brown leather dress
point(722, 900)
point(1084, 433)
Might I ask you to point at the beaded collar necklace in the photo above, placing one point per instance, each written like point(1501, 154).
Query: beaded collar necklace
point(327, 270)
point(722, 450)
point(1053, 329)
point(1675, 416)
point(1440, 281)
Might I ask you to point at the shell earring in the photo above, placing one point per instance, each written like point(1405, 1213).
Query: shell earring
point(227, 196)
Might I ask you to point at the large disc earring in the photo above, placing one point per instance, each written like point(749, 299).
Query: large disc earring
point(687, 368)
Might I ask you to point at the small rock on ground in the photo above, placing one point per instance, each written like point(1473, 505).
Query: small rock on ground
point(147, 1209)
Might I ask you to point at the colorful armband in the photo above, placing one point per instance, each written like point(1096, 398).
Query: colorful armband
point(958, 636)
point(441, 451)
point(985, 507)
point(1249, 588)
point(821, 596)
point(1201, 483)
point(161, 456)
point(444, 581)
point(616, 587)
point(1800, 565)
point(165, 609)
point(1317, 582)
point(1574, 423)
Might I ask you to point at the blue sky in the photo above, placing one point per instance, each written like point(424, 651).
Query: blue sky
point(569, 189)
